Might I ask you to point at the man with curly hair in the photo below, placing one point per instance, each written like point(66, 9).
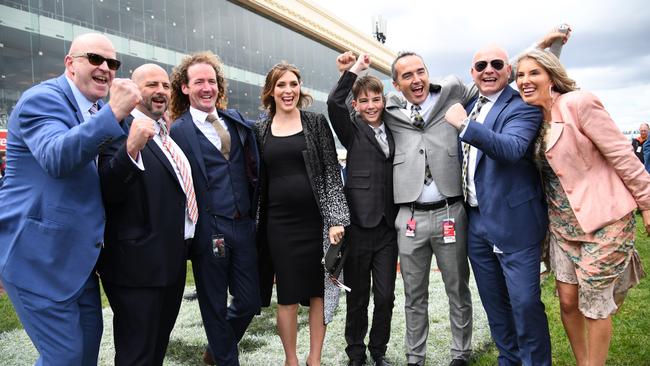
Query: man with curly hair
point(220, 146)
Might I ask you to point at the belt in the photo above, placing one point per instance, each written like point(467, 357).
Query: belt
point(430, 206)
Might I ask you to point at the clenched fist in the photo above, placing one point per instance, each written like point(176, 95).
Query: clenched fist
point(142, 130)
point(124, 96)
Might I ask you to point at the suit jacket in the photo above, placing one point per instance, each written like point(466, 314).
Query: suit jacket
point(185, 135)
point(325, 178)
point(508, 187)
point(51, 211)
point(438, 138)
point(369, 186)
point(600, 174)
point(145, 217)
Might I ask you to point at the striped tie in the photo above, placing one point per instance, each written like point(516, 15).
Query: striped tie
point(477, 109)
point(93, 109)
point(184, 170)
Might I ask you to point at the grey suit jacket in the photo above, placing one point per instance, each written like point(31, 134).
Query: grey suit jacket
point(438, 138)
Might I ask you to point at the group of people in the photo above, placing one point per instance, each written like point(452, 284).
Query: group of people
point(126, 191)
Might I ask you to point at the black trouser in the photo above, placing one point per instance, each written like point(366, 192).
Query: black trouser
point(143, 320)
point(373, 251)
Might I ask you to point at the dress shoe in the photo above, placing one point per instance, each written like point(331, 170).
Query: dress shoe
point(381, 361)
point(207, 358)
point(356, 362)
point(458, 362)
point(190, 296)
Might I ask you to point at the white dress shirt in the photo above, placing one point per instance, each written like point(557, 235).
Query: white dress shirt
point(189, 225)
point(206, 128)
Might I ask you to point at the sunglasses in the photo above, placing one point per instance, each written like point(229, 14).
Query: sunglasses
point(482, 65)
point(97, 60)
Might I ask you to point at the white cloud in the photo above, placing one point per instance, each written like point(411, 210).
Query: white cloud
point(608, 54)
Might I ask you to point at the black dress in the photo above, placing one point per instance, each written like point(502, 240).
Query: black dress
point(294, 224)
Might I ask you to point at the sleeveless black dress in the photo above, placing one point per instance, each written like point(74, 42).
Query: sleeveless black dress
point(294, 224)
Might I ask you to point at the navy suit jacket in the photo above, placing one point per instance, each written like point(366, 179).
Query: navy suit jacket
point(185, 135)
point(145, 217)
point(51, 211)
point(508, 187)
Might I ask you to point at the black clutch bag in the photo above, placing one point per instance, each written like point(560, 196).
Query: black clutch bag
point(334, 259)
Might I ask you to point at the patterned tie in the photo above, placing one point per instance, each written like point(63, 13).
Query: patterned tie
point(418, 122)
point(93, 109)
point(184, 170)
point(381, 139)
point(416, 117)
point(224, 136)
point(472, 116)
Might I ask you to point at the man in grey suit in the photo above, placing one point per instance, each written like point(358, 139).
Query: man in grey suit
point(427, 186)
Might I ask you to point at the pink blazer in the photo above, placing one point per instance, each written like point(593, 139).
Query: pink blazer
point(600, 174)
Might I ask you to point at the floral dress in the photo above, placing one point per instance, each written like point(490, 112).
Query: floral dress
point(604, 263)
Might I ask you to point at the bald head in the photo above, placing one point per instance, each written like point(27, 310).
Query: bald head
point(85, 41)
point(491, 49)
point(155, 88)
point(93, 81)
point(490, 69)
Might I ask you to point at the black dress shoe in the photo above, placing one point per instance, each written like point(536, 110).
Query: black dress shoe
point(381, 361)
point(458, 362)
point(356, 362)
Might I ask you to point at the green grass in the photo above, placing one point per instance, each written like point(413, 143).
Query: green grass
point(631, 339)
point(629, 344)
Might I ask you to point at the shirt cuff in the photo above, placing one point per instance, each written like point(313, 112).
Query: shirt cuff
point(138, 162)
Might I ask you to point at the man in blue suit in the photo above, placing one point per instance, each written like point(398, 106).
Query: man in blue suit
point(220, 146)
point(507, 213)
point(51, 211)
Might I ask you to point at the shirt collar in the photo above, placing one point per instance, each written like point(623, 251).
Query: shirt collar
point(492, 97)
point(136, 113)
point(83, 102)
point(200, 116)
point(424, 106)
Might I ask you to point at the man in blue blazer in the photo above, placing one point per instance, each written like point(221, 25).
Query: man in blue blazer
point(51, 211)
point(220, 146)
point(507, 213)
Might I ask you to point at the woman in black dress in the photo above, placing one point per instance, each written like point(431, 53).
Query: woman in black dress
point(302, 209)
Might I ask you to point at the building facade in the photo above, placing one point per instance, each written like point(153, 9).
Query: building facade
point(249, 36)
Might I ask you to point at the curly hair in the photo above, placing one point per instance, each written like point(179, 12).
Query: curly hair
point(276, 72)
point(561, 82)
point(180, 102)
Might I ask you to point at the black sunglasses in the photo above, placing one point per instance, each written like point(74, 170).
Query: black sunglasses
point(482, 65)
point(97, 60)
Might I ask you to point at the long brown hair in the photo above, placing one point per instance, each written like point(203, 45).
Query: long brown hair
point(181, 102)
point(560, 80)
point(276, 72)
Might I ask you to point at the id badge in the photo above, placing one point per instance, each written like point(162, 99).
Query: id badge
point(218, 246)
point(449, 231)
point(410, 228)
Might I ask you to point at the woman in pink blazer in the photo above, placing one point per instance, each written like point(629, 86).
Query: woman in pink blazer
point(593, 182)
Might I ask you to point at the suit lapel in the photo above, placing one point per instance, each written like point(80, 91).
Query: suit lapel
point(63, 84)
point(555, 133)
point(391, 142)
point(153, 147)
point(394, 104)
point(441, 102)
point(493, 114)
point(187, 126)
point(557, 125)
point(369, 132)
